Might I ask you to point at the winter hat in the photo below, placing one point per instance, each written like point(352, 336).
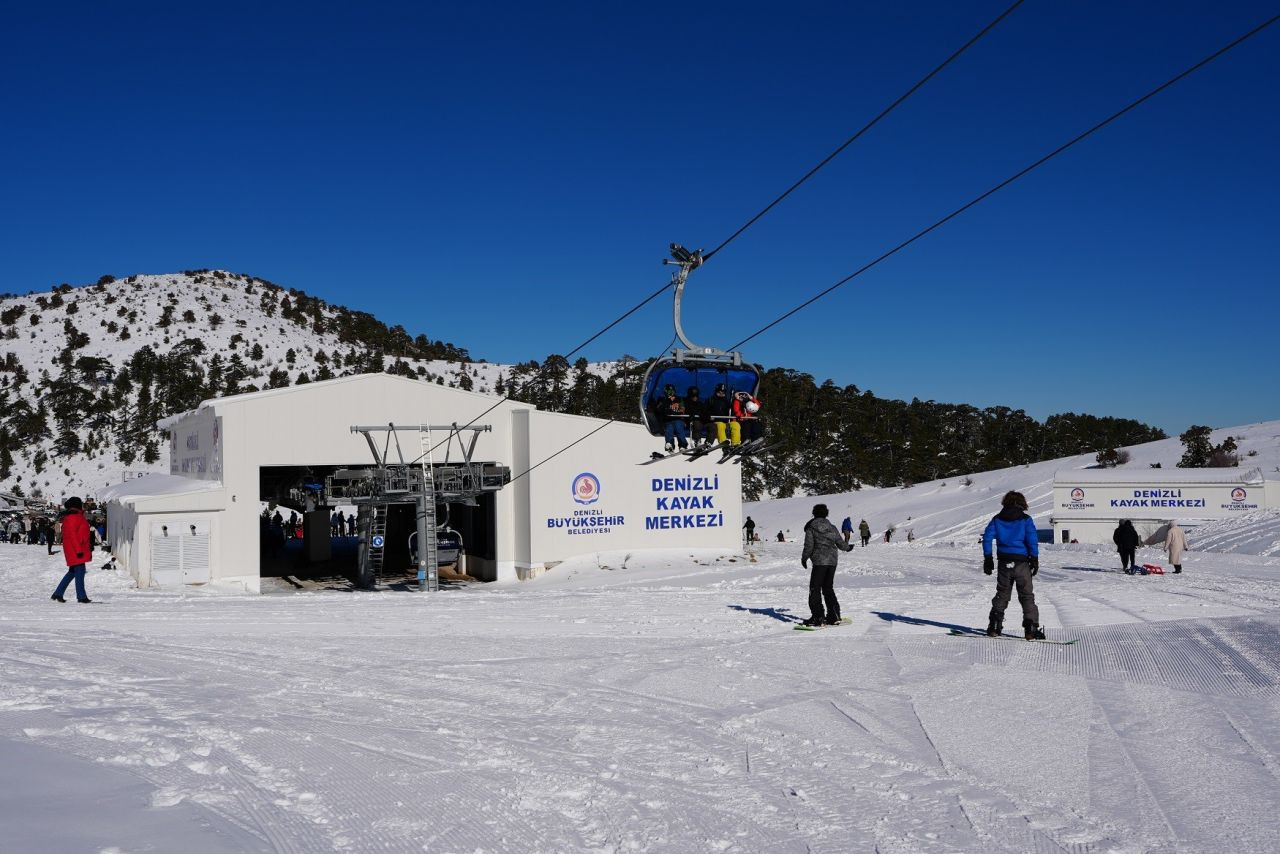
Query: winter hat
point(1014, 499)
point(670, 389)
point(74, 503)
point(693, 390)
point(720, 388)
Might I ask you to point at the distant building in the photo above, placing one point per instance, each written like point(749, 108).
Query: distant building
point(1089, 503)
point(232, 456)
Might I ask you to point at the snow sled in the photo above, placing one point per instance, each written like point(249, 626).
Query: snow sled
point(1153, 569)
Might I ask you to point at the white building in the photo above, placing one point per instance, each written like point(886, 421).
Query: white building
point(1089, 503)
point(201, 523)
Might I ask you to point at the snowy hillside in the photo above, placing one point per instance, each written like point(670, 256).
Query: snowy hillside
point(957, 509)
point(238, 332)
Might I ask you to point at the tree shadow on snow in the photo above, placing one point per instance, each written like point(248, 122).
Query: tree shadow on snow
point(779, 614)
point(918, 621)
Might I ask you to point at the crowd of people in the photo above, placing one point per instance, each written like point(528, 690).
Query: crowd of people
point(44, 528)
point(728, 418)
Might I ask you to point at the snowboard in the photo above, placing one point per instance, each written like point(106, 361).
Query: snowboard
point(844, 621)
point(976, 634)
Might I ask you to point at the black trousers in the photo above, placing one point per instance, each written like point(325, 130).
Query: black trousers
point(1008, 574)
point(822, 581)
point(1126, 557)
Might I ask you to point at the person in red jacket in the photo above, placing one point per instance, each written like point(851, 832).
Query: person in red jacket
point(76, 548)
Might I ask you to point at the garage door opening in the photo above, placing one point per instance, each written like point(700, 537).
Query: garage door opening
point(307, 535)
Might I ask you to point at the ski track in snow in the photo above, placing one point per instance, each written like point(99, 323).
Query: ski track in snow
point(666, 707)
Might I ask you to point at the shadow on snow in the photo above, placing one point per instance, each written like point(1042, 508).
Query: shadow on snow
point(780, 614)
point(918, 621)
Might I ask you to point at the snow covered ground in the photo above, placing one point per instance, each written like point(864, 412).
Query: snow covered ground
point(657, 703)
point(956, 509)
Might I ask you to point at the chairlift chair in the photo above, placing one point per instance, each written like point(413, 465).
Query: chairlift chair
point(692, 366)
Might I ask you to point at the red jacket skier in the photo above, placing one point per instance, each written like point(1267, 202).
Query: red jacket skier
point(77, 548)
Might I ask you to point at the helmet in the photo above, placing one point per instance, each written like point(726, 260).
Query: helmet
point(753, 406)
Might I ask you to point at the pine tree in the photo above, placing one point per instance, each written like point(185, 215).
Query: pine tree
point(1198, 449)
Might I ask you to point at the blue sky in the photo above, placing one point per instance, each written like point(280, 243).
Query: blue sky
point(508, 176)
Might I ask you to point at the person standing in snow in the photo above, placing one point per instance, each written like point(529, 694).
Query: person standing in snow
point(846, 528)
point(76, 549)
point(1018, 550)
point(1126, 539)
point(1175, 543)
point(822, 545)
point(750, 529)
point(864, 531)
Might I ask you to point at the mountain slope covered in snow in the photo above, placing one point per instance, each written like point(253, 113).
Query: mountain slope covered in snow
point(957, 508)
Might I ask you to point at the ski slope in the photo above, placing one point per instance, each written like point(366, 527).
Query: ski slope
point(662, 701)
point(656, 702)
point(952, 510)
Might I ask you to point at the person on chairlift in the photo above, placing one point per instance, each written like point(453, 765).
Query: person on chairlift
point(671, 413)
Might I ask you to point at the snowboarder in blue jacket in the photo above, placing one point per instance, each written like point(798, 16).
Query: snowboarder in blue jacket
point(1018, 551)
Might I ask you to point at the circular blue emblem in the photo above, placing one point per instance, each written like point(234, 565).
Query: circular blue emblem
point(377, 542)
point(586, 488)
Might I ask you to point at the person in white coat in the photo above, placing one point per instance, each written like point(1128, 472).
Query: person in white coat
point(1175, 543)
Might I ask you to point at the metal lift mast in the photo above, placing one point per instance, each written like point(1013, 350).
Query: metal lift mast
point(419, 481)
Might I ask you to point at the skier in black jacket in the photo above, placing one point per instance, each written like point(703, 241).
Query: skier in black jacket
point(1126, 539)
point(822, 545)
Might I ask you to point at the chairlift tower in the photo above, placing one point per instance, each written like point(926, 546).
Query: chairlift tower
point(419, 481)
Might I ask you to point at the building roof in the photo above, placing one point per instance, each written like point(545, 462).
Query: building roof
point(320, 385)
point(1138, 476)
point(155, 486)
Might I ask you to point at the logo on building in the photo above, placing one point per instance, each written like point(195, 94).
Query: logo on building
point(1238, 494)
point(586, 488)
point(1077, 494)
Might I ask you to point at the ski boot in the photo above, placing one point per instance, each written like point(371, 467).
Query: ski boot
point(995, 627)
point(1033, 632)
point(813, 623)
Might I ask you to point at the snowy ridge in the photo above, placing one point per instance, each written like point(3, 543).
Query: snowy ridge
point(229, 314)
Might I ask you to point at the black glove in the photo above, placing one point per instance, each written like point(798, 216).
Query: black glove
point(804, 563)
point(988, 564)
point(1035, 565)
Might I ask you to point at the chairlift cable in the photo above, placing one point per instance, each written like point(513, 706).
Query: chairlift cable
point(868, 126)
point(1046, 158)
point(883, 113)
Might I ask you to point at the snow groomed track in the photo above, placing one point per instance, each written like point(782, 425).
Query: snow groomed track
point(665, 706)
